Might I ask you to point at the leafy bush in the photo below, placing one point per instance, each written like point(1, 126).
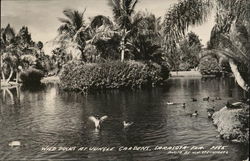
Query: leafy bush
point(184, 66)
point(209, 66)
point(164, 66)
point(109, 75)
point(31, 76)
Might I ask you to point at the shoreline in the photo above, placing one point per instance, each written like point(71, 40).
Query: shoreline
point(9, 84)
point(50, 79)
point(230, 124)
point(174, 74)
point(189, 74)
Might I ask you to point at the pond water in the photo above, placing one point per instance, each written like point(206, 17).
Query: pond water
point(48, 117)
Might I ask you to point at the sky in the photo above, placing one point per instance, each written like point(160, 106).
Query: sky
point(41, 16)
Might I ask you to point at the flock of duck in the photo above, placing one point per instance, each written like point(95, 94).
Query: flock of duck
point(210, 111)
point(97, 121)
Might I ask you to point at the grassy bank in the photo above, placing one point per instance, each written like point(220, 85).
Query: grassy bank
point(185, 74)
point(51, 79)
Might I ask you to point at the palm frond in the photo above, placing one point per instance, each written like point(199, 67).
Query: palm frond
point(104, 33)
point(236, 8)
point(182, 15)
point(64, 28)
point(122, 11)
point(231, 45)
point(130, 6)
point(100, 20)
point(64, 20)
point(69, 13)
point(74, 21)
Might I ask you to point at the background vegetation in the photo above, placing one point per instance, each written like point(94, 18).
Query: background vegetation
point(139, 36)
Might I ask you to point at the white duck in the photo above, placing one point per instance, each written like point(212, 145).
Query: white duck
point(170, 103)
point(96, 121)
point(15, 143)
point(194, 114)
point(127, 124)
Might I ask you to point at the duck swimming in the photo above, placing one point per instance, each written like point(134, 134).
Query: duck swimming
point(194, 114)
point(97, 122)
point(127, 124)
point(183, 105)
point(206, 99)
point(170, 103)
point(15, 143)
point(217, 98)
point(194, 99)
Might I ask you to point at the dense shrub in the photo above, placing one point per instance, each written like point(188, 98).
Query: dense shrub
point(164, 70)
point(184, 66)
point(109, 75)
point(31, 76)
point(209, 66)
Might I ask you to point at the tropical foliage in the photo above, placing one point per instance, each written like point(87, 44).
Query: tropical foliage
point(71, 32)
point(187, 54)
point(229, 14)
point(18, 53)
point(59, 57)
point(145, 39)
point(209, 66)
point(123, 11)
point(182, 15)
point(139, 36)
point(230, 38)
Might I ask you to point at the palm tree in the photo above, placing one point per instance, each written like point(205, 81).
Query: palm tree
point(122, 11)
point(235, 47)
point(7, 58)
point(145, 39)
point(231, 38)
point(182, 15)
point(100, 27)
point(229, 13)
point(99, 21)
point(72, 29)
point(15, 49)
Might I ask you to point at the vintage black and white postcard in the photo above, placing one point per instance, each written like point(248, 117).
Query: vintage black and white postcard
point(124, 80)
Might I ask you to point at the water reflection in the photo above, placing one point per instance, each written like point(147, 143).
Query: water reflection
point(34, 88)
point(48, 116)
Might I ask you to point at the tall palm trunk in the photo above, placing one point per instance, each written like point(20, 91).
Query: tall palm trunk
point(237, 76)
point(11, 73)
point(1, 68)
point(123, 45)
point(3, 76)
point(17, 76)
point(122, 51)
